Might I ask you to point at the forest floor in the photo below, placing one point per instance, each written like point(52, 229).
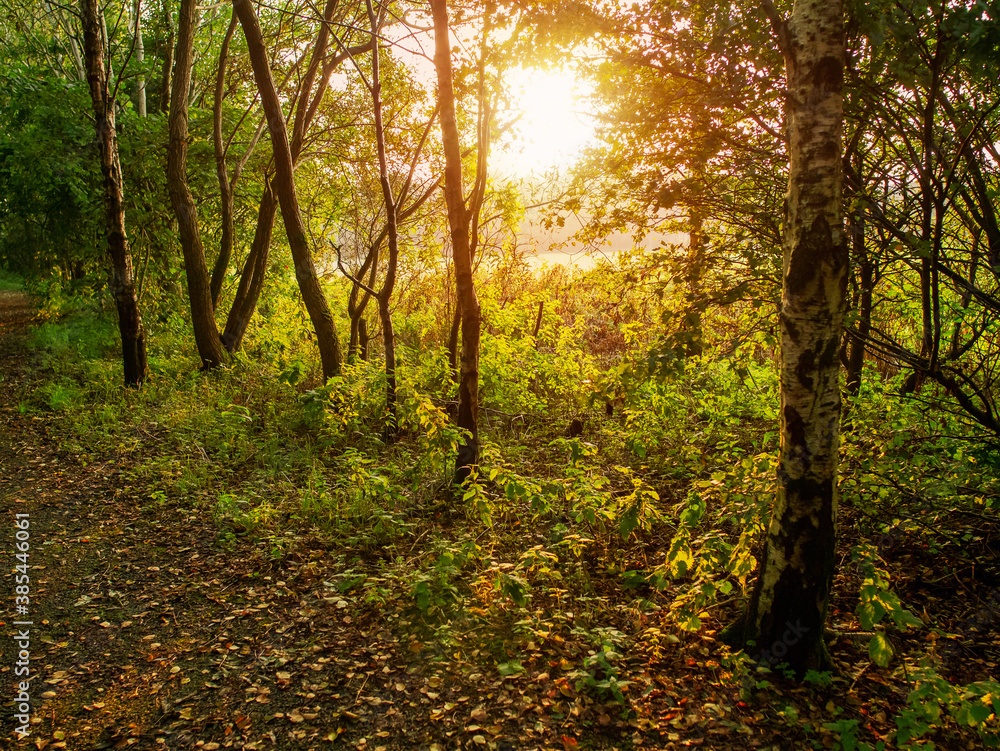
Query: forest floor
point(148, 633)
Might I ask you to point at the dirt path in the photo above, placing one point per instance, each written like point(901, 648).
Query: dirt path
point(143, 632)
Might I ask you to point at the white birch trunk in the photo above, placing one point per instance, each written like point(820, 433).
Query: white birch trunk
point(787, 611)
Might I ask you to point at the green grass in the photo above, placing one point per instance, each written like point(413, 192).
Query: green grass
point(10, 282)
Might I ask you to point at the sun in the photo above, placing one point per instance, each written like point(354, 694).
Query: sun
point(555, 124)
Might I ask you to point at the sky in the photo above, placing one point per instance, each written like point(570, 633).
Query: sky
point(555, 126)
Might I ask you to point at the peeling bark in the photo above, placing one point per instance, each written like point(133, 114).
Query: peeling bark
point(787, 611)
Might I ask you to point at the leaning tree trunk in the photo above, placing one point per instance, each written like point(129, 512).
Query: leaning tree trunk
point(787, 610)
point(458, 221)
point(206, 332)
point(226, 199)
point(284, 186)
point(130, 327)
point(254, 270)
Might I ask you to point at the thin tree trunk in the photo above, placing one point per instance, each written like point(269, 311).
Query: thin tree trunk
point(855, 341)
point(363, 339)
point(856, 352)
point(78, 65)
point(385, 293)
point(206, 333)
point(787, 611)
point(458, 221)
point(254, 271)
point(140, 60)
point(284, 186)
point(538, 322)
point(356, 309)
point(130, 326)
point(225, 185)
point(168, 58)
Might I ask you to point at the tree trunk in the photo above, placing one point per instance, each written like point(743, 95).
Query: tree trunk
point(787, 611)
point(363, 339)
point(78, 64)
point(140, 60)
point(856, 342)
point(311, 92)
point(222, 172)
point(168, 59)
point(385, 293)
point(254, 271)
point(356, 308)
point(284, 186)
point(206, 333)
point(130, 326)
point(458, 221)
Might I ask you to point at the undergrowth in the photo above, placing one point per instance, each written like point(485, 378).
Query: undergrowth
point(614, 547)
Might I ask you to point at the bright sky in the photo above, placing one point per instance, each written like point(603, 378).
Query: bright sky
point(555, 127)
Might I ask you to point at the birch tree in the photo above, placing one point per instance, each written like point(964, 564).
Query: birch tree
point(787, 611)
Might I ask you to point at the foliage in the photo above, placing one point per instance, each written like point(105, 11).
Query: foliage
point(49, 175)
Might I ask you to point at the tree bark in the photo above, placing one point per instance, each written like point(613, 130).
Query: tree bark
point(310, 95)
point(363, 339)
point(140, 60)
point(222, 172)
point(133, 335)
point(78, 64)
point(392, 235)
point(356, 308)
point(168, 59)
point(458, 222)
point(787, 611)
point(206, 332)
point(284, 186)
point(254, 271)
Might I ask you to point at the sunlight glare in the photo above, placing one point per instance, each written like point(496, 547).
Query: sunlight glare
point(555, 126)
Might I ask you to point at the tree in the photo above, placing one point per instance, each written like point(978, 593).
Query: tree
point(921, 171)
point(690, 93)
point(284, 185)
point(786, 615)
point(130, 326)
point(306, 102)
point(458, 222)
point(206, 333)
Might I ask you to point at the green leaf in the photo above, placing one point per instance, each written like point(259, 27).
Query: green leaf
point(515, 588)
point(629, 521)
point(972, 715)
point(510, 668)
point(880, 650)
